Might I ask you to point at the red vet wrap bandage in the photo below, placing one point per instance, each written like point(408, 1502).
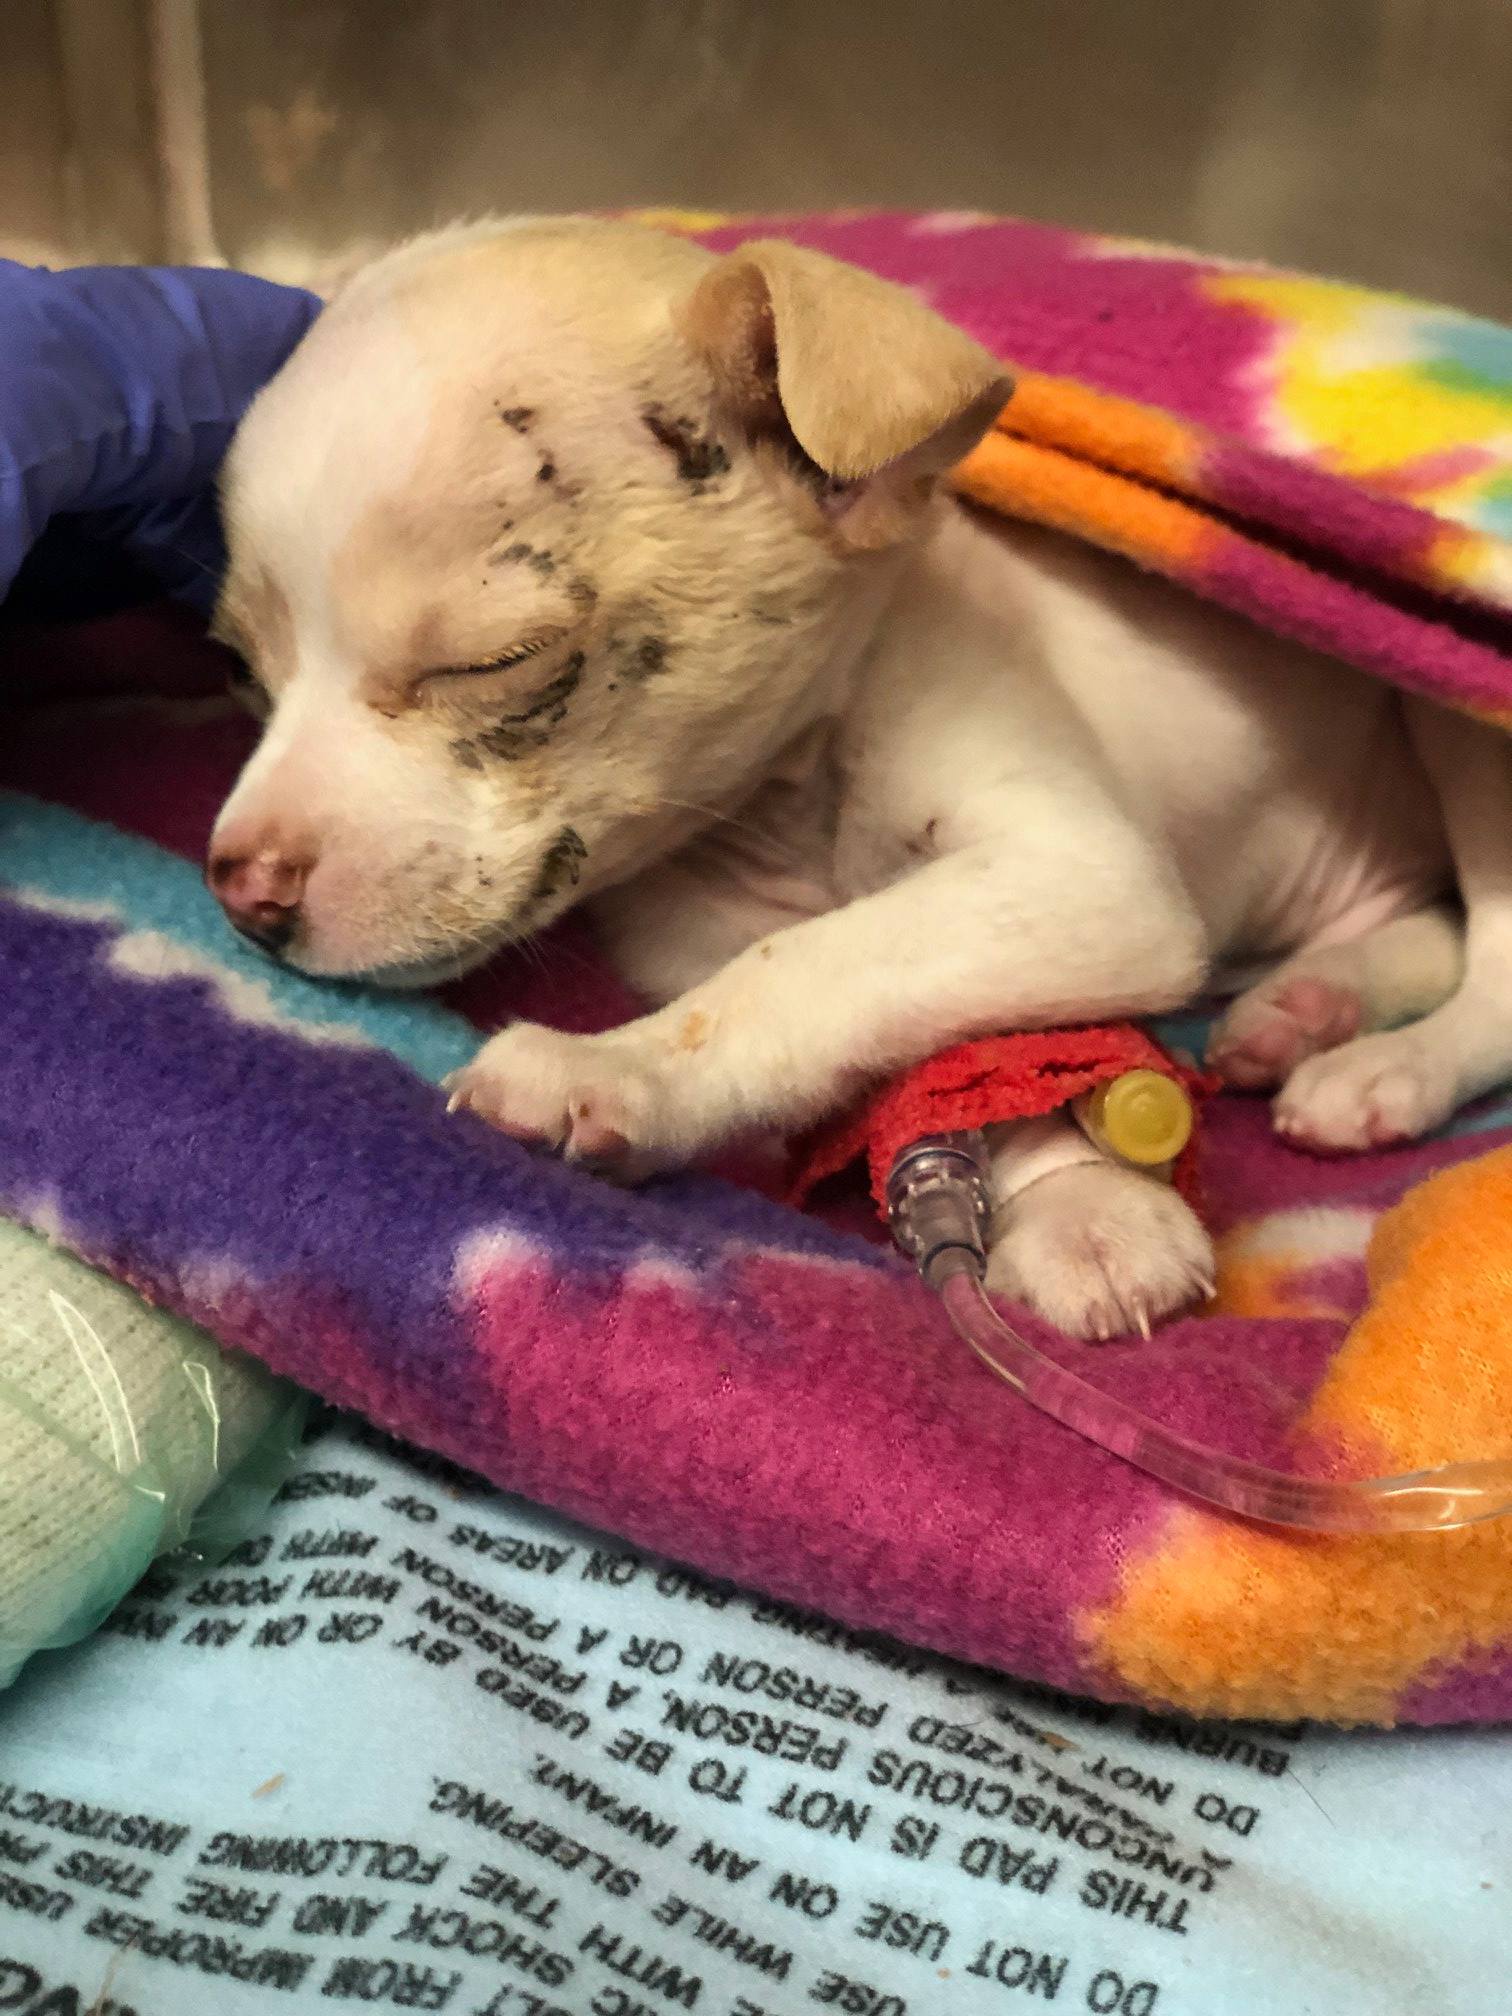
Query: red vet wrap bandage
point(975, 1084)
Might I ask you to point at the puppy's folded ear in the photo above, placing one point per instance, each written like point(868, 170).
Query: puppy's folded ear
point(873, 394)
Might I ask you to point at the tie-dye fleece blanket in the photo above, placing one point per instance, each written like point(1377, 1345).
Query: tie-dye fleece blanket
point(771, 1396)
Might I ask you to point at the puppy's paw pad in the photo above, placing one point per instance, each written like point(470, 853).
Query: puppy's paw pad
point(572, 1093)
point(1370, 1094)
point(1268, 1032)
point(1101, 1252)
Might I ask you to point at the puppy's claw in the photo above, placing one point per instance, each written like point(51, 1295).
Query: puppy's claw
point(1142, 1321)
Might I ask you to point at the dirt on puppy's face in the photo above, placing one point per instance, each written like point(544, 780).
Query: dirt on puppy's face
point(544, 542)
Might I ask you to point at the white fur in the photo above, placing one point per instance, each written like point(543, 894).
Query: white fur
point(903, 778)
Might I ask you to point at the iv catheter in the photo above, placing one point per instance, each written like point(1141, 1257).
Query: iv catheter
point(939, 1209)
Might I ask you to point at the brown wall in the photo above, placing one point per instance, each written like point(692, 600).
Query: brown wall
point(1371, 138)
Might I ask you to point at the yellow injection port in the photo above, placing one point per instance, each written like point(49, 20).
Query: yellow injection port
point(1142, 1117)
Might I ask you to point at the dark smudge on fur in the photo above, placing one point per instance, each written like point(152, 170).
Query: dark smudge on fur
point(527, 556)
point(699, 458)
point(561, 867)
point(531, 728)
point(641, 657)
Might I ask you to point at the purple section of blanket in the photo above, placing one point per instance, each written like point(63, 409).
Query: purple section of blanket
point(696, 1368)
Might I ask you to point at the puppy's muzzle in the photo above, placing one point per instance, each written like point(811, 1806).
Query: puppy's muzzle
point(260, 894)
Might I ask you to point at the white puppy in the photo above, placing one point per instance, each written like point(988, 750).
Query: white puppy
point(572, 561)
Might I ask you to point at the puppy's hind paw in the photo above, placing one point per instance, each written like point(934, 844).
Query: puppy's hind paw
point(1372, 1093)
point(1270, 1030)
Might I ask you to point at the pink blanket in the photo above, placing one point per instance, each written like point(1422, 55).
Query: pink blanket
point(771, 1397)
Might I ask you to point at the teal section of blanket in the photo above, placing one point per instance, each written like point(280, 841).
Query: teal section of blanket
point(60, 859)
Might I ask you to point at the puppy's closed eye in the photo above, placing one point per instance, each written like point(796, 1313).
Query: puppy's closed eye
point(481, 669)
point(500, 663)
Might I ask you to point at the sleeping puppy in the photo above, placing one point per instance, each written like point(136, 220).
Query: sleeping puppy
point(571, 562)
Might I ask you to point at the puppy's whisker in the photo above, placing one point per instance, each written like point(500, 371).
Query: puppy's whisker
point(711, 813)
point(201, 566)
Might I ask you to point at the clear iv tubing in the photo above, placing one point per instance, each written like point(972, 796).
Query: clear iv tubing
point(939, 1208)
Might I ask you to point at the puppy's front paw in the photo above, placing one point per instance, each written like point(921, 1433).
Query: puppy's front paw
point(587, 1096)
point(1099, 1250)
point(1369, 1094)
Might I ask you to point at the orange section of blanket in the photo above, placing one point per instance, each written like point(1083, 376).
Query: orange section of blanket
point(1099, 428)
point(1053, 481)
point(1223, 1618)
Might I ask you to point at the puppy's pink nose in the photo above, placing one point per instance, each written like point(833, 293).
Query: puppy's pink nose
point(260, 893)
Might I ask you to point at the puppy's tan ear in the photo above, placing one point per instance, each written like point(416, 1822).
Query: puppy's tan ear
point(878, 394)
